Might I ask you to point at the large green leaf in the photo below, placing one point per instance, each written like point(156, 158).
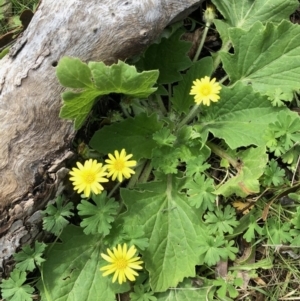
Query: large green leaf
point(95, 80)
point(73, 73)
point(172, 226)
point(240, 117)
point(244, 13)
point(78, 105)
point(190, 290)
point(252, 164)
point(71, 271)
point(133, 134)
point(169, 56)
point(266, 57)
point(122, 78)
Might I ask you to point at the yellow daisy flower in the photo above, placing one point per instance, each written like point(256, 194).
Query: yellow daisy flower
point(205, 90)
point(87, 177)
point(122, 263)
point(118, 165)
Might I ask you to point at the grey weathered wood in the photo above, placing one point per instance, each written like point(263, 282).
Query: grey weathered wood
point(34, 141)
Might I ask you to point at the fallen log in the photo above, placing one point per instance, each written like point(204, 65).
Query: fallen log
point(35, 143)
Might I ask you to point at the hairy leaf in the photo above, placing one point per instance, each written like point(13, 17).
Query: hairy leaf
point(240, 117)
point(173, 227)
point(266, 60)
point(76, 260)
point(133, 134)
point(96, 79)
point(253, 162)
point(169, 56)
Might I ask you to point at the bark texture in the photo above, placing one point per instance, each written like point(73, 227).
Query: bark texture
point(34, 141)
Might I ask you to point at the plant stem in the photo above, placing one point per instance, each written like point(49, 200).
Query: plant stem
point(205, 31)
point(169, 96)
point(161, 104)
point(222, 154)
point(193, 112)
point(146, 172)
point(124, 110)
point(223, 79)
point(134, 179)
point(114, 189)
point(225, 48)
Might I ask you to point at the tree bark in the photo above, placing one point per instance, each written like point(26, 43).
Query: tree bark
point(35, 143)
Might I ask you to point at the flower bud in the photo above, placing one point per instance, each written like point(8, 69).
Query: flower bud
point(209, 15)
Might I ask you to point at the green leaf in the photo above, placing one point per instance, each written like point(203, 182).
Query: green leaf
point(296, 217)
point(123, 78)
point(12, 289)
point(182, 100)
point(278, 232)
point(166, 159)
point(200, 192)
point(253, 162)
point(100, 215)
point(54, 219)
point(221, 221)
point(169, 56)
point(213, 249)
point(133, 134)
point(78, 105)
point(287, 129)
point(71, 271)
point(174, 230)
point(241, 117)
point(267, 60)
point(3, 52)
point(244, 13)
point(277, 97)
point(140, 294)
point(96, 79)
point(227, 285)
point(164, 137)
point(273, 174)
point(196, 165)
point(194, 289)
point(73, 73)
point(266, 264)
point(251, 229)
point(29, 258)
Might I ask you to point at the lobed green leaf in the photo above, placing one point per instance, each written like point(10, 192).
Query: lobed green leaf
point(267, 60)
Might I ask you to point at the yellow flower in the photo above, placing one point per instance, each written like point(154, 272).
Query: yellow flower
point(205, 90)
point(122, 264)
point(87, 177)
point(118, 165)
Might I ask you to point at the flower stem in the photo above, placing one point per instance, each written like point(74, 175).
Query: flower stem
point(223, 79)
point(207, 25)
point(225, 48)
point(134, 179)
point(146, 172)
point(114, 189)
point(193, 112)
point(222, 154)
point(161, 104)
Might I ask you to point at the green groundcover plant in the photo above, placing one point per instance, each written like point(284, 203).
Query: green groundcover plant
point(195, 168)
